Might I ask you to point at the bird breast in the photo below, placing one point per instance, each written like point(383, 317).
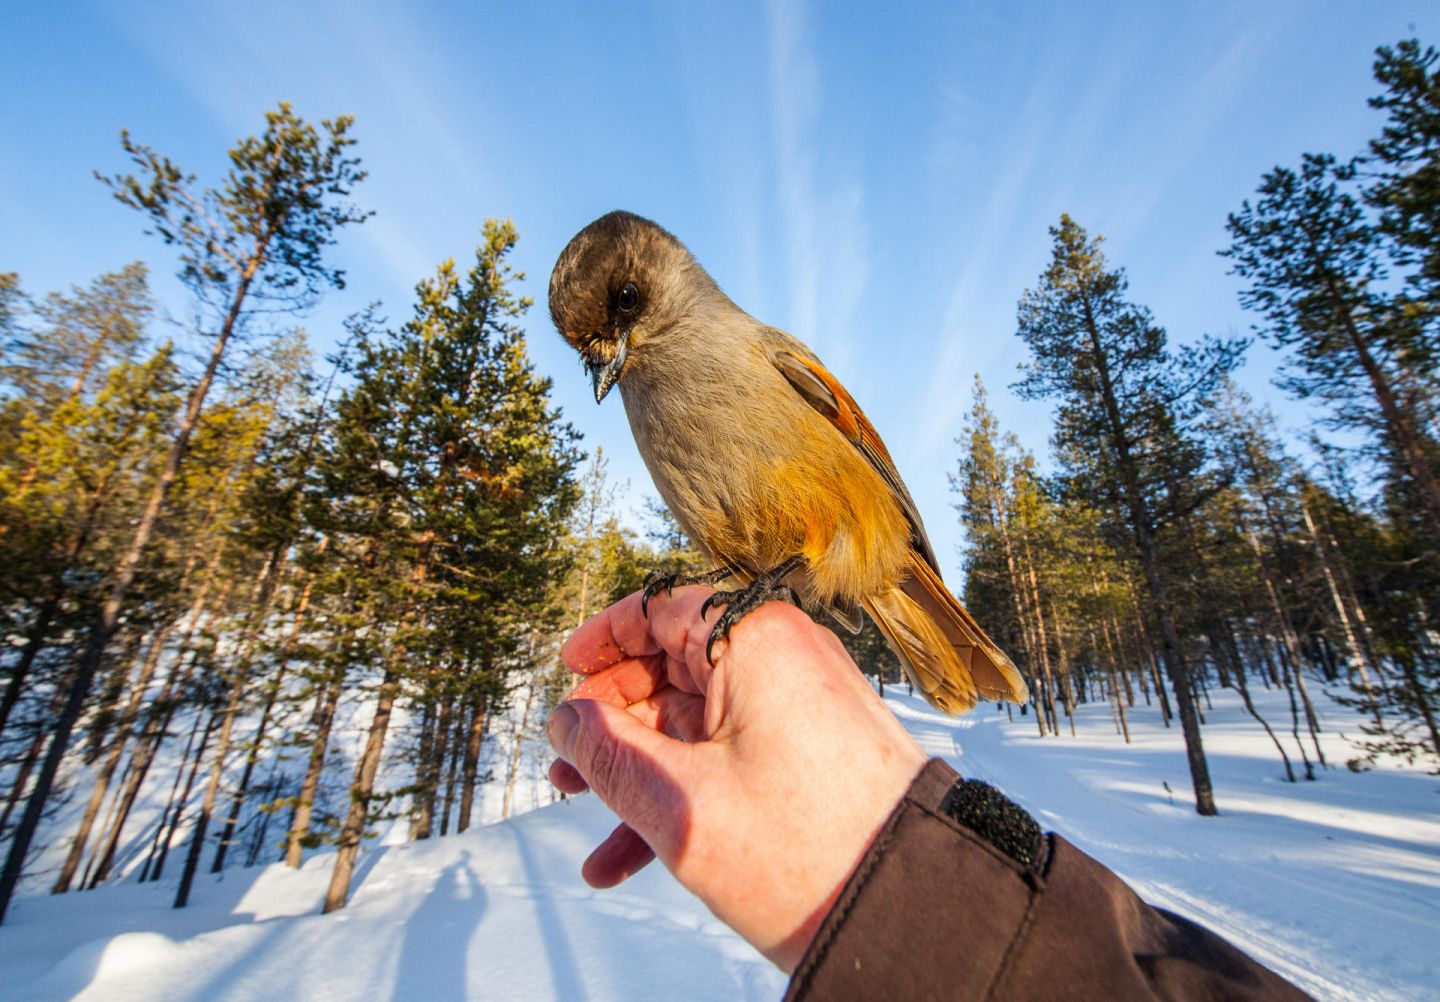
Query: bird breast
point(754, 475)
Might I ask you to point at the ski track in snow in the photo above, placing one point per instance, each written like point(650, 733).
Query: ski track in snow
point(1335, 884)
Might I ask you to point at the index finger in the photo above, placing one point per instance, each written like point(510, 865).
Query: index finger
point(624, 631)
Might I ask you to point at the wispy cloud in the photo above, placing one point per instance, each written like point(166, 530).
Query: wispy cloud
point(1193, 121)
point(820, 209)
point(233, 64)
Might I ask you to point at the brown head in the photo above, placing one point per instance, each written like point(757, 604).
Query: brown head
point(619, 284)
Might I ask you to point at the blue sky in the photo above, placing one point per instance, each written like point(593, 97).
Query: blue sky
point(876, 180)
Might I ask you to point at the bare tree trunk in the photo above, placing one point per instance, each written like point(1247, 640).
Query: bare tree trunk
point(1111, 670)
point(1067, 696)
point(472, 761)
point(1355, 655)
point(1147, 648)
point(519, 745)
point(439, 746)
point(158, 720)
point(212, 791)
point(1043, 644)
point(1250, 707)
point(17, 789)
point(178, 810)
point(227, 832)
point(112, 760)
point(1289, 649)
point(422, 804)
point(111, 695)
point(1017, 592)
point(360, 793)
point(264, 594)
point(326, 702)
point(456, 745)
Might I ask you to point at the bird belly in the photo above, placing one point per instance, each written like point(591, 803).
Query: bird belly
point(754, 484)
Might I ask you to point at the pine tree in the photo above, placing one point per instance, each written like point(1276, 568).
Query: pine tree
point(259, 239)
point(1125, 404)
point(1317, 274)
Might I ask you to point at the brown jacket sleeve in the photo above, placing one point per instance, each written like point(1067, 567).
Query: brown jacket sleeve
point(935, 910)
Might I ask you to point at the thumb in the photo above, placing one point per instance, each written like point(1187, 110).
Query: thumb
point(635, 769)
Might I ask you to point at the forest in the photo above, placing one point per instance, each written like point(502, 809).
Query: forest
point(217, 545)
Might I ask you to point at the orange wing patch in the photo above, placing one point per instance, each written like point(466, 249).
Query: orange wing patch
point(824, 393)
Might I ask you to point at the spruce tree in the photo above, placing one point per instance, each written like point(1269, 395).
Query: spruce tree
point(448, 486)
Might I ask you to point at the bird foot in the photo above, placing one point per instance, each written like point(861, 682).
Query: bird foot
point(743, 601)
point(658, 581)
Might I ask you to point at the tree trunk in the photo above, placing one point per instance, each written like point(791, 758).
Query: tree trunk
point(1287, 674)
point(1355, 655)
point(439, 748)
point(451, 771)
point(360, 793)
point(112, 760)
point(178, 807)
point(1289, 648)
point(472, 764)
point(422, 804)
point(109, 619)
point(212, 791)
point(325, 704)
point(39, 630)
point(158, 720)
point(17, 789)
point(227, 832)
point(1417, 692)
point(1398, 422)
point(519, 747)
point(1250, 706)
point(1170, 649)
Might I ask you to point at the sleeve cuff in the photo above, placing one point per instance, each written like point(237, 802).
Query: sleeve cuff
point(930, 890)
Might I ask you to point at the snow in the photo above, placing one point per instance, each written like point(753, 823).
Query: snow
point(1334, 883)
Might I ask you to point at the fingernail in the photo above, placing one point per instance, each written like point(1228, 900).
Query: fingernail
point(561, 728)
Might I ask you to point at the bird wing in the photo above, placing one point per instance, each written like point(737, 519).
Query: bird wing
point(944, 650)
point(823, 392)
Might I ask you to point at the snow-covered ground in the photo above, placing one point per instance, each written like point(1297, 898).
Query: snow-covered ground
point(1335, 884)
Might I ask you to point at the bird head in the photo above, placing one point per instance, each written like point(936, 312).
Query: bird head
point(619, 286)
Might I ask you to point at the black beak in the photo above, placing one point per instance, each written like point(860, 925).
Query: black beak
point(605, 376)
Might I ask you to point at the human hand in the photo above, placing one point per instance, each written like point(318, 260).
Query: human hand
point(758, 782)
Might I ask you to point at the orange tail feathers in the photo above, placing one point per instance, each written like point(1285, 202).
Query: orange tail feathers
point(943, 650)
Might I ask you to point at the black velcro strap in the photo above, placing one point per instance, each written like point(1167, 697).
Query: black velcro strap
point(995, 818)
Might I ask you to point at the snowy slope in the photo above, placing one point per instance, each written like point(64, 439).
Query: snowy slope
point(1334, 883)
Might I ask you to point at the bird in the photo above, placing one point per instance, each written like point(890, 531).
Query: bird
point(764, 459)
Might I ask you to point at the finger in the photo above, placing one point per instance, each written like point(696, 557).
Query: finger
point(680, 715)
point(565, 779)
point(623, 683)
point(639, 772)
point(619, 857)
point(616, 632)
point(623, 630)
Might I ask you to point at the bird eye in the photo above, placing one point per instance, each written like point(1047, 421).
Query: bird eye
point(629, 298)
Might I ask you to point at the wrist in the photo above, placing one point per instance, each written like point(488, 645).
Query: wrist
point(852, 838)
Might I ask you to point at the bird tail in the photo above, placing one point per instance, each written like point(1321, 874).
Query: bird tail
point(943, 650)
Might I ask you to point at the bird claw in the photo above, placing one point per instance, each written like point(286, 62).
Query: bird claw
point(658, 581)
point(740, 603)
